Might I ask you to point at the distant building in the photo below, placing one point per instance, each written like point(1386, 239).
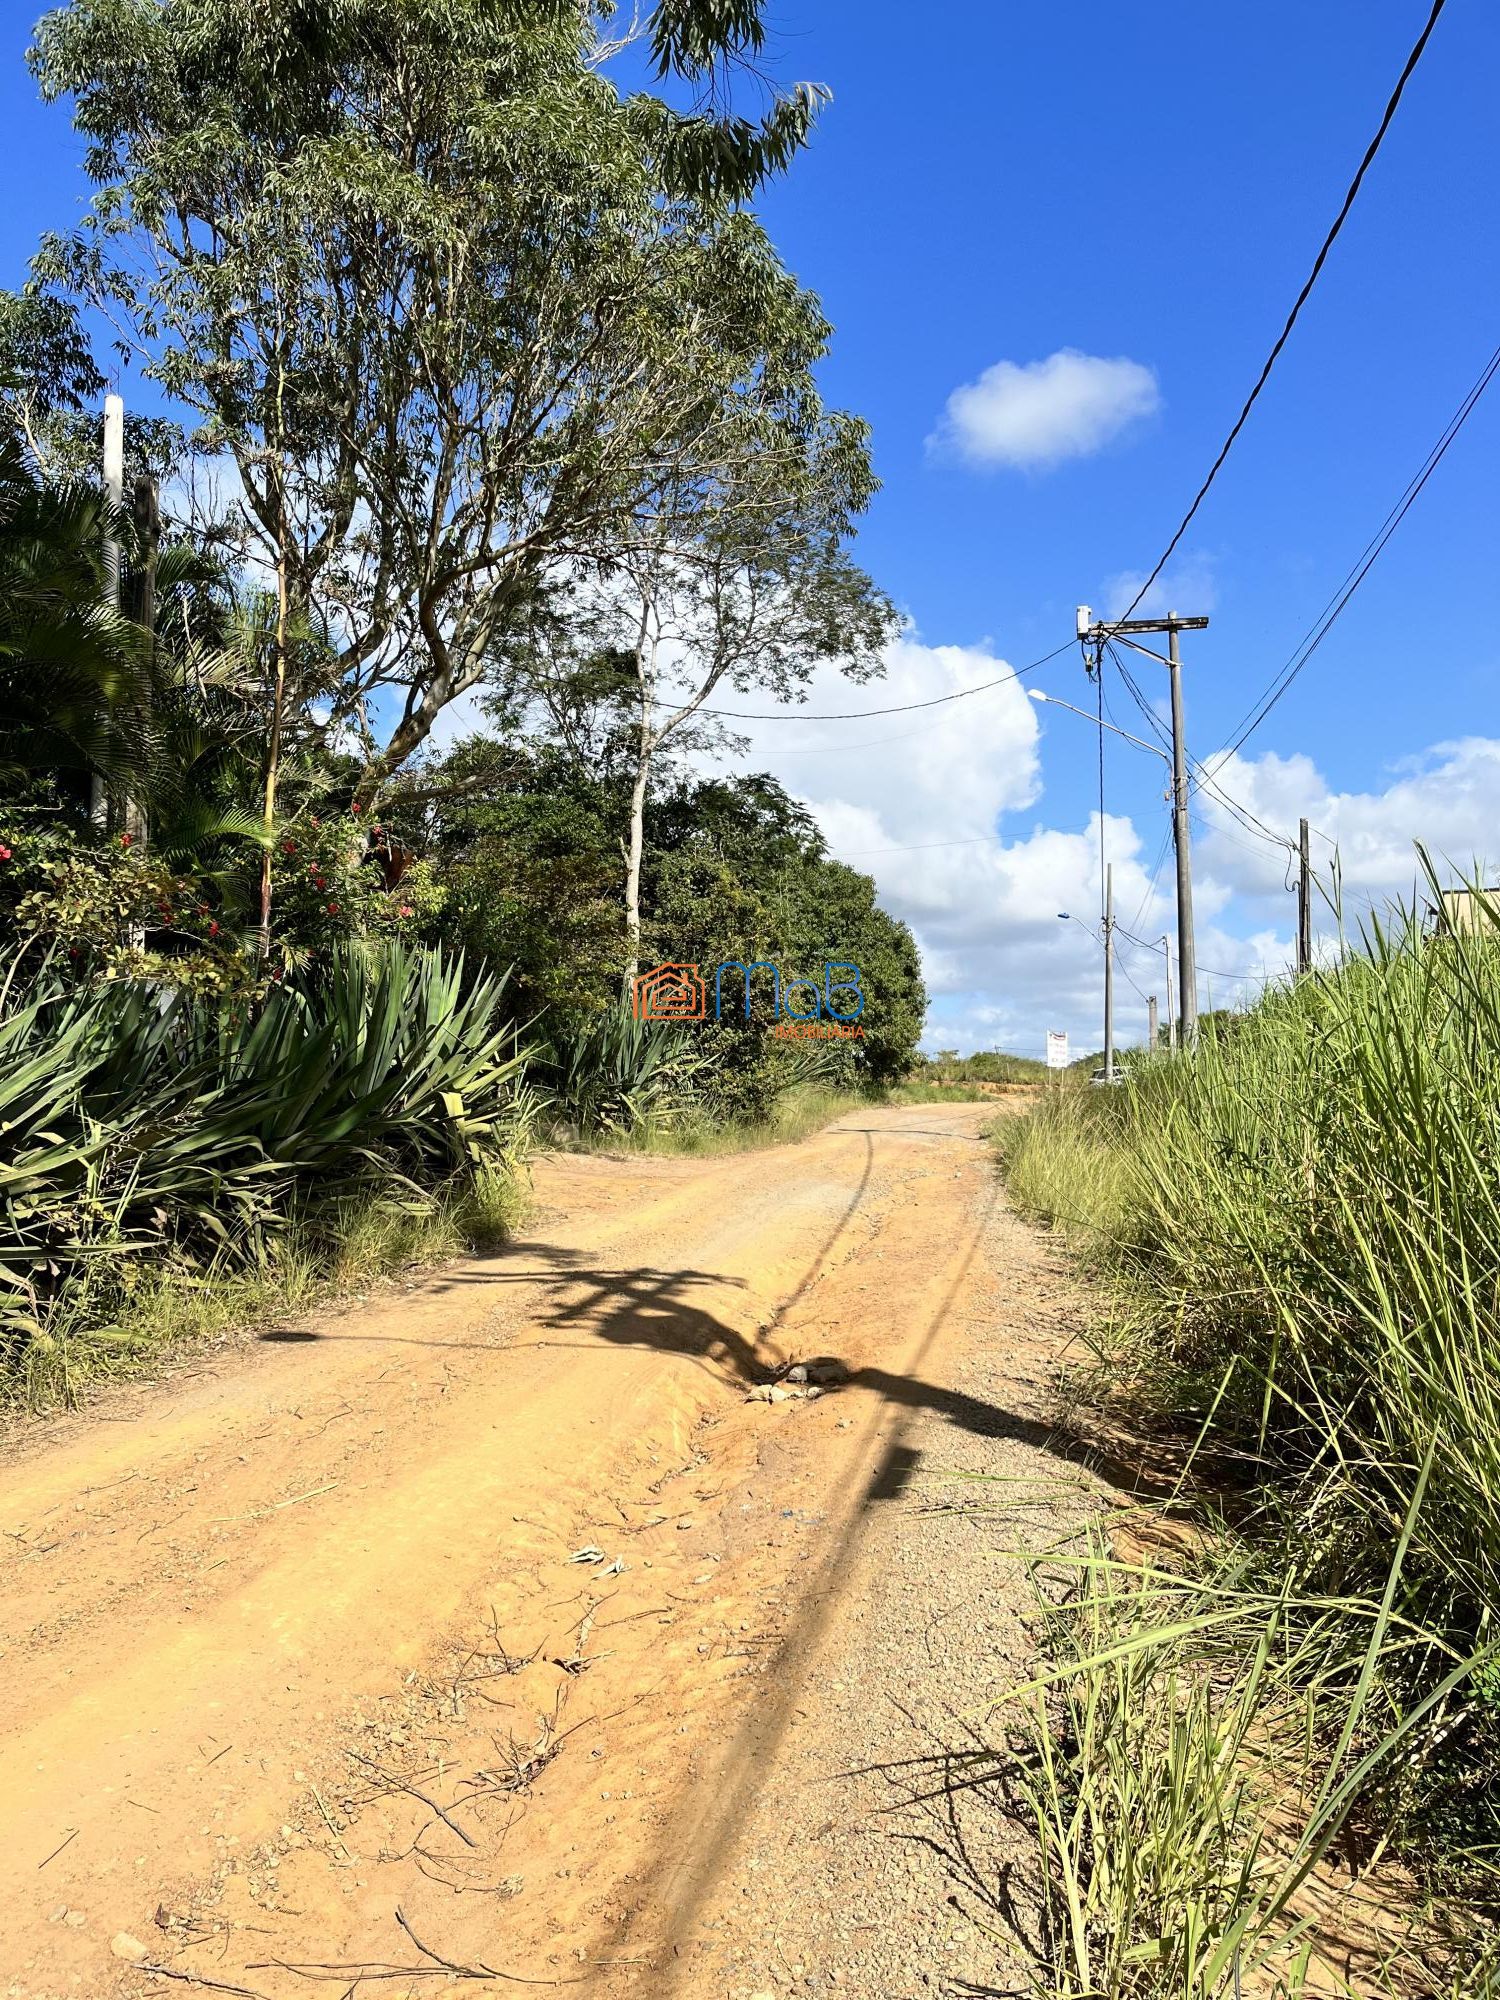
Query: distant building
point(1466, 910)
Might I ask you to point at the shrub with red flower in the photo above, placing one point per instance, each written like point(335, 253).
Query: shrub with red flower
point(114, 908)
point(340, 885)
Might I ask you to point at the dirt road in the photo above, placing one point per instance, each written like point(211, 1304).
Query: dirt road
point(421, 1639)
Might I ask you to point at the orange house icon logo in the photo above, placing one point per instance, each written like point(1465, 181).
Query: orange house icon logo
point(670, 993)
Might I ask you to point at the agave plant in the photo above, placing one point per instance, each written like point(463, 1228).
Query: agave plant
point(613, 1073)
point(133, 1121)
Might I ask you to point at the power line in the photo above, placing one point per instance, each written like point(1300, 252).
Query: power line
point(922, 846)
point(1372, 552)
point(1301, 300)
point(1212, 971)
point(1161, 855)
point(900, 708)
point(1200, 776)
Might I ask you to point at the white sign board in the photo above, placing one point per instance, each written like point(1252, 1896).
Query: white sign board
point(1057, 1050)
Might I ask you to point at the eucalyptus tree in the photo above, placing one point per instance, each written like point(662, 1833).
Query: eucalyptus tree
point(741, 580)
point(445, 307)
point(736, 578)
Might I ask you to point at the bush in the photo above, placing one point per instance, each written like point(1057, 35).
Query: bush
point(141, 1122)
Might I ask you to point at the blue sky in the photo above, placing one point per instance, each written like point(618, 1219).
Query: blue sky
point(1148, 184)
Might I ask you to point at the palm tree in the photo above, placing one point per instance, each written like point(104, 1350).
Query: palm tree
point(68, 659)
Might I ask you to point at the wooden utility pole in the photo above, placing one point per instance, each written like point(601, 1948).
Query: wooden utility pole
point(1151, 1026)
point(1304, 901)
point(1109, 974)
point(1100, 632)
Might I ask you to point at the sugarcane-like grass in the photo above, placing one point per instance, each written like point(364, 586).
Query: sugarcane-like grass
point(1297, 1229)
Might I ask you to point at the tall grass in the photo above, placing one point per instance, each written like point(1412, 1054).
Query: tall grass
point(1301, 1223)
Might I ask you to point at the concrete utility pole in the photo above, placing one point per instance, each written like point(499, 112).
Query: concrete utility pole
point(1126, 629)
point(1304, 901)
point(1187, 952)
point(1151, 1027)
point(1166, 945)
point(1109, 973)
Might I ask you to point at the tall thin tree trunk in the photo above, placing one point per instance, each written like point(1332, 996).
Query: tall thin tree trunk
point(278, 672)
point(147, 515)
point(273, 737)
point(634, 847)
point(143, 610)
point(645, 673)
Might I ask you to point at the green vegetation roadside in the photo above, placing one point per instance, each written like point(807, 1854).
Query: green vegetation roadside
point(331, 1253)
point(1268, 1758)
point(339, 1247)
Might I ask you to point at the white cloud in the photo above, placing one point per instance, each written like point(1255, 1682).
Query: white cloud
point(918, 801)
point(1187, 586)
point(926, 802)
point(1040, 412)
point(1444, 797)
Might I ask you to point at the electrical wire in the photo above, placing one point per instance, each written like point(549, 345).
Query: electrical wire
point(1199, 776)
point(900, 708)
point(1161, 855)
point(1319, 631)
point(1213, 972)
point(1301, 300)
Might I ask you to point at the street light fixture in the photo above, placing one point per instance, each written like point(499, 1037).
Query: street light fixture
point(1139, 741)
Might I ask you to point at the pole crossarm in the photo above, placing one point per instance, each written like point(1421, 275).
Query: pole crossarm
point(1097, 633)
point(1098, 629)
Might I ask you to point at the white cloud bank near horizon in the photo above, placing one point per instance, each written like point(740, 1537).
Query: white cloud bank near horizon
point(1032, 415)
point(946, 810)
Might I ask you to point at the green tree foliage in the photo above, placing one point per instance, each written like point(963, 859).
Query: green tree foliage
point(422, 276)
point(65, 656)
point(733, 871)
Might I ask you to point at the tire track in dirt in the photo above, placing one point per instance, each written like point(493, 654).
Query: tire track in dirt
point(293, 1643)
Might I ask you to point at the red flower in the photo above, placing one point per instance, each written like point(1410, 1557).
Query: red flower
point(213, 930)
point(289, 847)
point(405, 910)
point(4, 852)
point(356, 807)
point(319, 883)
point(127, 840)
point(333, 909)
